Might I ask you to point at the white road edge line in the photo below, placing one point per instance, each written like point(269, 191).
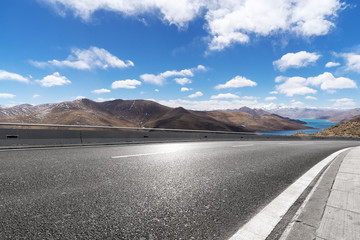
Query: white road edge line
point(262, 224)
point(140, 154)
point(244, 145)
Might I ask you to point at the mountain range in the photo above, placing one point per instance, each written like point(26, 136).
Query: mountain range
point(146, 113)
point(332, 115)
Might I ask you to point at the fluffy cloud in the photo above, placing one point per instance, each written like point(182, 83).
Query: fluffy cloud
point(310, 98)
point(296, 104)
point(227, 21)
point(232, 22)
point(4, 75)
point(270, 98)
point(294, 86)
point(88, 59)
point(182, 81)
point(184, 89)
point(295, 60)
point(128, 83)
point(7, 95)
point(54, 80)
point(332, 64)
point(79, 97)
point(343, 103)
point(352, 62)
point(300, 86)
point(237, 82)
point(161, 78)
point(99, 91)
point(36, 96)
point(250, 97)
point(178, 13)
point(225, 95)
point(195, 95)
point(327, 81)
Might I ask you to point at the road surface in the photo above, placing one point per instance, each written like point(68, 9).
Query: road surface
point(194, 190)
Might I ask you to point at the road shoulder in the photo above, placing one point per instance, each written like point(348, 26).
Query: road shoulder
point(308, 218)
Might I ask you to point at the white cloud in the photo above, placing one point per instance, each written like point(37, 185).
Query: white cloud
point(300, 86)
point(296, 104)
point(232, 22)
point(250, 97)
point(343, 103)
point(4, 75)
point(270, 98)
point(161, 78)
point(332, 64)
point(79, 97)
point(36, 96)
point(225, 95)
point(7, 95)
point(274, 92)
point(327, 81)
point(195, 95)
point(310, 98)
point(294, 86)
point(237, 82)
point(182, 81)
point(184, 89)
point(154, 79)
point(156, 90)
point(352, 62)
point(102, 90)
point(296, 60)
point(104, 99)
point(54, 80)
point(128, 83)
point(88, 59)
point(227, 21)
point(178, 13)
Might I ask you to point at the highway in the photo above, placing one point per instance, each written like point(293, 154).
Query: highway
point(190, 190)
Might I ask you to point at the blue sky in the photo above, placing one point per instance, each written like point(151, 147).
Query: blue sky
point(196, 54)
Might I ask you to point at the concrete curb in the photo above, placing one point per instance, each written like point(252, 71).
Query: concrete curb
point(307, 219)
point(269, 217)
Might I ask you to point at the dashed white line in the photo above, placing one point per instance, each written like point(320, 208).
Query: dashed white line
point(140, 154)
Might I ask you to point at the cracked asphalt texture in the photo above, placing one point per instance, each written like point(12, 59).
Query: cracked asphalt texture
point(201, 190)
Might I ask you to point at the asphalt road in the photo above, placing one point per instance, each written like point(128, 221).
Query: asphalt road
point(197, 190)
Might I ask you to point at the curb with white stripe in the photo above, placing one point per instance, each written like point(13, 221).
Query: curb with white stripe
point(262, 224)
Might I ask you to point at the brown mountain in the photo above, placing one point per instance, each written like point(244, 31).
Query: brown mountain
point(255, 122)
point(251, 111)
point(349, 128)
point(180, 118)
point(144, 113)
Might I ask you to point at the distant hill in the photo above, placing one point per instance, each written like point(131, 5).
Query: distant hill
point(349, 128)
point(145, 113)
point(255, 122)
point(251, 111)
point(332, 115)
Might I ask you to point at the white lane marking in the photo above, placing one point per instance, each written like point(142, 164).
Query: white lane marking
point(271, 215)
point(243, 145)
point(141, 154)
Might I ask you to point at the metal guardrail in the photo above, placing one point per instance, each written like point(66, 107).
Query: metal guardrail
point(121, 128)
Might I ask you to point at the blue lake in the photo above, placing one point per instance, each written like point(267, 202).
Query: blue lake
point(318, 125)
